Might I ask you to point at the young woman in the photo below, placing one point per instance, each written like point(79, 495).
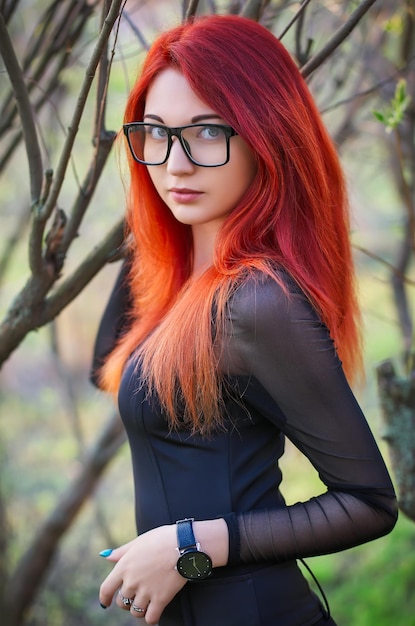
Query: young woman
point(229, 329)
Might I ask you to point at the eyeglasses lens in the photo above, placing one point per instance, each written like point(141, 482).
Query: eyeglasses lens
point(205, 145)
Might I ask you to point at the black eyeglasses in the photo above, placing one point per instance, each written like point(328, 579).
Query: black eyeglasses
point(204, 144)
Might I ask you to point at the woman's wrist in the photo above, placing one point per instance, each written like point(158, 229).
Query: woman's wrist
point(214, 539)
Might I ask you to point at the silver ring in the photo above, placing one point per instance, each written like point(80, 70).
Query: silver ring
point(125, 601)
point(137, 609)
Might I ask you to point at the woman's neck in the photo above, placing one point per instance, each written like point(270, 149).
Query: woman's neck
point(204, 237)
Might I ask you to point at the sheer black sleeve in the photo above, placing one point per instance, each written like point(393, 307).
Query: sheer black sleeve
point(277, 338)
point(113, 322)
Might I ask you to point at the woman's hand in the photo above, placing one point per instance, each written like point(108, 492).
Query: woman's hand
point(145, 577)
point(144, 574)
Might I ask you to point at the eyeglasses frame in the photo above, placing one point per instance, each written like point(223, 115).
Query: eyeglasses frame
point(177, 132)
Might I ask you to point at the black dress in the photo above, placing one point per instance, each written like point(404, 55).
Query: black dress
point(284, 380)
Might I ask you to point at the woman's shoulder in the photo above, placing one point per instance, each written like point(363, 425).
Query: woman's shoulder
point(265, 297)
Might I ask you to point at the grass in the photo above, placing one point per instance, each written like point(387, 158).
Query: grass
point(372, 585)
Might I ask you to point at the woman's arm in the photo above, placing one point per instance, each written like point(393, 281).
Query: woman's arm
point(113, 323)
point(277, 338)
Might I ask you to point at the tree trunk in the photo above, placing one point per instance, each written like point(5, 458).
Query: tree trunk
point(397, 400)
point(23, 586)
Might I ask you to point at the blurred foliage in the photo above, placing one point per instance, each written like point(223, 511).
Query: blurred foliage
point(394, 114)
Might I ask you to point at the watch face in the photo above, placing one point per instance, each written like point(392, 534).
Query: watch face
point(194, 565)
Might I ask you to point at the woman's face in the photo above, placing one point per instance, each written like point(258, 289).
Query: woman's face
point(195, 195)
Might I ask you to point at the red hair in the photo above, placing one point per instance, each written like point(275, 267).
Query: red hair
point(294, 215)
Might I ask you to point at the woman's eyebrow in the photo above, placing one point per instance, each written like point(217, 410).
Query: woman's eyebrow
point(206, 116)
point(153, 117)
point(194, 120)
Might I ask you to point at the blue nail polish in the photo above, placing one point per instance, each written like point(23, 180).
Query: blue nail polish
point(106, 552)
point(102, 605)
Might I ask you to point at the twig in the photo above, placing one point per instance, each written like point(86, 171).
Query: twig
point(191, 10)
point(253, 9)
point(302, 55)
point(391, 267)
point(339, 36)
point(81, 276)
point(135, 30)
point(65, 385)
point(34, 155)
point(294, 19)
point(406, 191)
point(8, 10)
point(80, 105)
point(370, 90)
point(87, 189)
point(103, 75)
point(12, 241)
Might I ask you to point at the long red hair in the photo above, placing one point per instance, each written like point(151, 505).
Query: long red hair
point(294, 215)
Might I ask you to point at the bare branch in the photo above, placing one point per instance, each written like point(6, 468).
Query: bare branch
point(253, 9)
point(397, 401)
point(191, 10)
point(342, 33)
point(34, 155)
point(80, 105)
point(38, 229)
point(104, 145)
point(302, 55)
point(7, 9)
point(30, 311)
point(400, 292)
point(136, 31)
point(103, 76)
point(75, 283)
point(28, 575)
point(405, 189)
point(297, 15)
point(65, 386)
point(391, 267)
point(12, 241)
point(49, 51)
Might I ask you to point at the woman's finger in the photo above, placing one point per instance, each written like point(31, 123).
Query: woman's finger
point(139, 608)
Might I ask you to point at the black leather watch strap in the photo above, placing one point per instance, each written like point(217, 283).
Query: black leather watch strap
point(185, 536)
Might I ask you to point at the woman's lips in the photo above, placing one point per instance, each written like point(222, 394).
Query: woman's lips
point(183, 195)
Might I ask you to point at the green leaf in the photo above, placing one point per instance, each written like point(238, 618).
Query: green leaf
point(394, 114)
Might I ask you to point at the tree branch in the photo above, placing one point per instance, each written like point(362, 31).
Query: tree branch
point(33, 152)
point(191, 10)
point(339, 36)
point(253, 9)
point(135, 30)
point(108, 23)
point(83, 274)
point(30, 311)
point(32, 568)
point(104, 145)
point(302, 54)
point(397, 401)
point(391, 267)
point(297, 15)
point(8, 11)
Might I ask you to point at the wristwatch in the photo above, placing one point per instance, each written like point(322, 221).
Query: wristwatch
point(193, 564)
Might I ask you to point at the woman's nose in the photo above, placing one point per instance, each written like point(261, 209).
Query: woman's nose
point(178, 161)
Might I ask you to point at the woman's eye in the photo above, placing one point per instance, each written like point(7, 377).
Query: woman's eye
point(158, 132)
point(210, 132)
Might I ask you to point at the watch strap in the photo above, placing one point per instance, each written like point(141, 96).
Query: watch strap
point(185, 535)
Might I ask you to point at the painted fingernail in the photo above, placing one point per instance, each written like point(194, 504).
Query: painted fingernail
point(105, 553)
point(102, 605)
